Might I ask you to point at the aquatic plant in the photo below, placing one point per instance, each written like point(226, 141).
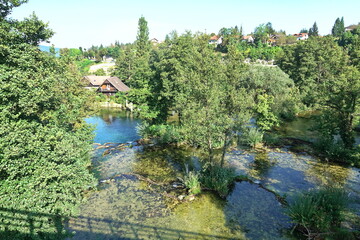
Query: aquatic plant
point(163, 133)
point(143, 129)
point(335, 151)
point(192, 182)
point(218, 178)
point(318, 212)
point(252, 136)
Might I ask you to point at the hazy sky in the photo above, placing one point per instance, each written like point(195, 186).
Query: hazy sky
point(94, 22)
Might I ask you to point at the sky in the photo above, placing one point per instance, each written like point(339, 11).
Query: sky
point(83, 23)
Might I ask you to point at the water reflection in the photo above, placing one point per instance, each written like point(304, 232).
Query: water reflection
point(114, 126)
point(261, 165)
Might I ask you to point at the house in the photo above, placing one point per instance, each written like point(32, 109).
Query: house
point(112, 85)
point(215, 40)
point(301, 36)
point(154, 41)
point(352, 27)
point(105, 84)
point(94, 82)
point(248, 39)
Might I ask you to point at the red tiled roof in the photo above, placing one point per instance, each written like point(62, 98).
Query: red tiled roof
point(215, 37)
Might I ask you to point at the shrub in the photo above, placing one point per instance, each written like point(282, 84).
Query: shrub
point(142, 129)
point(218, 178)
point(252, 136)
point(318, 211)
point(336, 151)
point(163, 133)
point(192, 182)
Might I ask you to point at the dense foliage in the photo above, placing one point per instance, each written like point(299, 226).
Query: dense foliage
point(320, 212)
point(329, 81)
point(44, 143)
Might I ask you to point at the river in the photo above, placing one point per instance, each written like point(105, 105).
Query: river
point(126, 208)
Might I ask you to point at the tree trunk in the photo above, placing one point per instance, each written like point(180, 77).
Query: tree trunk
point(224, 149)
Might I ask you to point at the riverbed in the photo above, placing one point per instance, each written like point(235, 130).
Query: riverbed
point(125, 207)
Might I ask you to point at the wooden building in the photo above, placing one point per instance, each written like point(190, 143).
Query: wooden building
point(106, 84)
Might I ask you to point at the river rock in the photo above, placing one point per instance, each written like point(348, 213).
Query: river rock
point(181, 197)
point(191, 197)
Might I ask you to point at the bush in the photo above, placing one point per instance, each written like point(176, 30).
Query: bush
point(192, 182)
point(336, 151)
point(164, 134)
point(318, 211)
point(252, 136)
point(101, 97)
point(272, 139)
point(218, 178)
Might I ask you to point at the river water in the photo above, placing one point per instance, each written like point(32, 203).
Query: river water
point(126, 208)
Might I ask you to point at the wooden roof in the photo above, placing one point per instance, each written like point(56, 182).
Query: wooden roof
point(96, 80)
point(118, 84)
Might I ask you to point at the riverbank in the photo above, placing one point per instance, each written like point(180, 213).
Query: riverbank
point(127, 206)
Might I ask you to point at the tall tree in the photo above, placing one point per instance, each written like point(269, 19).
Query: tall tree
point(140, 93)
point(310, 63)
point(321, 69)
point(261, 33)
point(45, 143)
point(339, 28)
point(314, 31)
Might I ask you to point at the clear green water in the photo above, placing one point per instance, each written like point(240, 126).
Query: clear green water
point(126, 208)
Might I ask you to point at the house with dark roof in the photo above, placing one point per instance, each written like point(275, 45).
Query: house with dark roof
point(112, 85)
point(106, 84)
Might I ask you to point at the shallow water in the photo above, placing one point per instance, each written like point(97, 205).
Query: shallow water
point(126, 208)
point(114, 126)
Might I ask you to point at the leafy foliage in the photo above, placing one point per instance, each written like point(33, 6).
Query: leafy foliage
point(192, 182)
point(319, 211)
point(218, 178)
point(338, 29)
point(252, 136)
point(44, 143)
point(314, 31)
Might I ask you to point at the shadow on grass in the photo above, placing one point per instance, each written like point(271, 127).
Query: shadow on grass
point(27, 225)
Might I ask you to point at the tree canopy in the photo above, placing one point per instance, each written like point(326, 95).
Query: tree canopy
point(45, 143)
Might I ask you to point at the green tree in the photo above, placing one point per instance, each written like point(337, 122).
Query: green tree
point(339, 28)
point(310, 63)
point(168, 85)
point(324, 74)
point(238, 101)
point(100, 72)
point(141, 74)
point(45, 143)
point(124, 66)
point(276, 89)
point(261, 33)
point(314, 31)
point(340, 99)
point(203, 121)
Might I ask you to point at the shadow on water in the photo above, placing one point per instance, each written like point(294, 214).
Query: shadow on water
point(97, 228)
point(256, 212)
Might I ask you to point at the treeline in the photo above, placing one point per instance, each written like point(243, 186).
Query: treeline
point(44, 142)
point(221, 101)
point(216, 94)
